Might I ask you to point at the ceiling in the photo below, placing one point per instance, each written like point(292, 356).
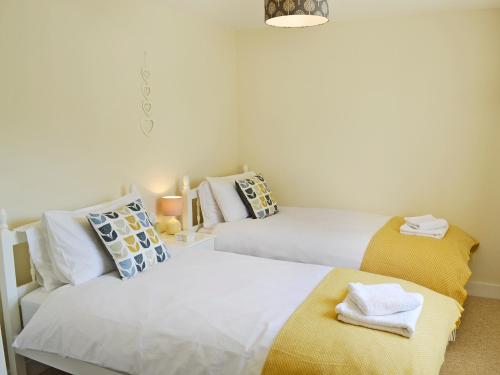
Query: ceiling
point(250, 13)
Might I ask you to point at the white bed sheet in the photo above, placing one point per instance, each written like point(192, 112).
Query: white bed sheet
point(309, 235)
point(31, 302)
point(202, 312)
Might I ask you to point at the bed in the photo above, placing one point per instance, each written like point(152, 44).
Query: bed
point(209, 312)
point(211, 326)
point(308, 235)
point(342, 238)
point(31, 302)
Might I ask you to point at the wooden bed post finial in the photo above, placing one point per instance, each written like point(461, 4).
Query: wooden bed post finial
point(187, 206)
point(186, 183)
point(3, 219)
point(245, 168)
point(132, 188)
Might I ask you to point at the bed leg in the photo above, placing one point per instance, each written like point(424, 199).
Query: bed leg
point(453, 336)
point(20, 367)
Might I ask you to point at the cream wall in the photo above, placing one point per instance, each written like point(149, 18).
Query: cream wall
point(71, 95)
point(396, 116)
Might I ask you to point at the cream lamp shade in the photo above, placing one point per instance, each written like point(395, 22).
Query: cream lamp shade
point(296, 13)
point(171, 206)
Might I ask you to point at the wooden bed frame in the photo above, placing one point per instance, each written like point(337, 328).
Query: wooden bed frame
point(191, 202)
point(11, 296)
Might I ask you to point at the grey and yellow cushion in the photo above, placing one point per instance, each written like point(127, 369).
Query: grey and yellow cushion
point(130, 238)
point(257, 196)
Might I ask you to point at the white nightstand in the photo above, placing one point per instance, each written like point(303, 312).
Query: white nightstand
point(202, 241)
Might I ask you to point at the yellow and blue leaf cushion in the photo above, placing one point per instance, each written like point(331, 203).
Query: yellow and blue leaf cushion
point(257, 197)
point(130, 238)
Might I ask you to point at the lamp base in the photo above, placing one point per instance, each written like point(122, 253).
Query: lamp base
point(171, 226)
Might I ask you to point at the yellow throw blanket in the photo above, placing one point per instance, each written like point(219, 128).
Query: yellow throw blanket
point(314, 342)
point(440, 265)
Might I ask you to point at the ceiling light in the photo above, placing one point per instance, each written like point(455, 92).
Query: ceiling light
point(296, 13)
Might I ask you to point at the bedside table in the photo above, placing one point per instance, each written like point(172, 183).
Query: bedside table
point(202, 241)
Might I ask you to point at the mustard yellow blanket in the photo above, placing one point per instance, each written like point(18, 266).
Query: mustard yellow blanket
point(440, 265)
point(314, 342)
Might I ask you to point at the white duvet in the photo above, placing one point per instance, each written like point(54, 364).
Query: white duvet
point(202, 312)
point(309, 235)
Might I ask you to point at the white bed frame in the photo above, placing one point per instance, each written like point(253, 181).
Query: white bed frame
point(11, 295)
point(191, 198)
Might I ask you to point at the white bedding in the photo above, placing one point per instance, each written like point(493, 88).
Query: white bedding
point(31, 302)
point(309, 235)
point(202, 312)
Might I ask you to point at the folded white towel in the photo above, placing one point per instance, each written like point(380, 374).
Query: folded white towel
point(426, 222)
point(417, 220)
point(433, 233)
point(382, 299)
point(403, 323)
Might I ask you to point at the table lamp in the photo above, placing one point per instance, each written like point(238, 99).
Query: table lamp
point(171, 206)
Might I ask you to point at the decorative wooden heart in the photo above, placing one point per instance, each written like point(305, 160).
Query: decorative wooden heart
point(146, 91)
point(146, 74)
point(147, 126)
point(146, 107)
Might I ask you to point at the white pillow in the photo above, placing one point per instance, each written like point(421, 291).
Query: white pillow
point(211, 211)
point(75, 249)
point(39, 254)
point(227, 197)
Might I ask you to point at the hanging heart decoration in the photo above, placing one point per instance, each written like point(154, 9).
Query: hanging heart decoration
point(147, 126)
point(146, 92)
point(147, 123)
point(146, 108)
point(145, 74)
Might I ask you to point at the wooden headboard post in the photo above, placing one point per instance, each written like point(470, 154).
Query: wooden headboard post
point(187, 207)
point(188, 196)
point(11, 293)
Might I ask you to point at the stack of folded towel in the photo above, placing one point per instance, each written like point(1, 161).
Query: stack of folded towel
point(426, 226)
point(385, 307)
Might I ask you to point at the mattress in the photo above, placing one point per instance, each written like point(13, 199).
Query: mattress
point(309, 235)
point(31, 302)
point(201, 312)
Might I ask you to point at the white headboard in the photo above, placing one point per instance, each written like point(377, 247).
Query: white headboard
point(191, 198)
point(10, 292)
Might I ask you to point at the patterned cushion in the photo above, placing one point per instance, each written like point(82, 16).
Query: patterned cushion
point(257, 197)
point(130, 238)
